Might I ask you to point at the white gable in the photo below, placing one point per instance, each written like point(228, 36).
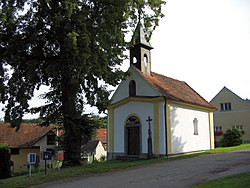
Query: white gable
point(143, 88)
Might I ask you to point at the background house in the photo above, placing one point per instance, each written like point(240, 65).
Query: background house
point(101, 135)
point(29, 138)
point(94, 148)
point(232, 112)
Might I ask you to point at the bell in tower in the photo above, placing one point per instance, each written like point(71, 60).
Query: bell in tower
point(140, 56)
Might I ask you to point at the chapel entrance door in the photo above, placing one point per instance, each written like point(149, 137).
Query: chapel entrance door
point(133, 140)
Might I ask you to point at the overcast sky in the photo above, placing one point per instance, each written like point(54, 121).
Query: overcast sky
point(205, 43)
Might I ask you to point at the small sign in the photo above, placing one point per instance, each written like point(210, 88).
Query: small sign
point(46, 155)
point(31, 158)
point(60, 156)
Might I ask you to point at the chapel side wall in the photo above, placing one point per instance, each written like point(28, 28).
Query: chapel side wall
point(183, 138)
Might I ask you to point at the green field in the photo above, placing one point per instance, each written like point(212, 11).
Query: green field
point(237, 181)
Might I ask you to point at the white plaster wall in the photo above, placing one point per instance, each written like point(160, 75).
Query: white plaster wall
point(142, 88)
point(182, 130)
point(43, 146)
point(142, 110)
point(100, 151)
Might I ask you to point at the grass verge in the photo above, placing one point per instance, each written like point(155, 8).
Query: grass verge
point(240, 180)
point(108, 166)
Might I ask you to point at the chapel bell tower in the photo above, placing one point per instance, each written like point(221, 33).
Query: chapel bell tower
point(140, 56)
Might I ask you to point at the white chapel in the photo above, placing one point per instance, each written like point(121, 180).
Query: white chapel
point(150, 105)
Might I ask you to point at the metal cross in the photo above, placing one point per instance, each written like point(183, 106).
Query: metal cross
point(149, 125)
point(150, 153)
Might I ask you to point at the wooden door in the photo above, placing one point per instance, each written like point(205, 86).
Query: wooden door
point(133, 140)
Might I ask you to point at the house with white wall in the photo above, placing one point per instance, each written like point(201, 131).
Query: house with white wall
point(96, 149)
point(150, 105)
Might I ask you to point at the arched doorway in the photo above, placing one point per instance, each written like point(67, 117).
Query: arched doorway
point(133, 132)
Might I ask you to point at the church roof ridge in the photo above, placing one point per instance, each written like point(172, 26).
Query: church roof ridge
point(175, 89)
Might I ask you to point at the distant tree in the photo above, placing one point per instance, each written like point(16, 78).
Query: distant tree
point(101, 122)
point(232, 137)
point(74, 47)
point(34, 121)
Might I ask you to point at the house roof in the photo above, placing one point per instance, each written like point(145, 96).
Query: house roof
point(102, 135)
point(90, 146)
point(26, 136)
point(175, 90)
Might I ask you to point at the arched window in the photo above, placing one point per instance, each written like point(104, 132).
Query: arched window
point(134, 60)
point(132, 88)
point(195, 122)
point(133, 120)
point(145, 59)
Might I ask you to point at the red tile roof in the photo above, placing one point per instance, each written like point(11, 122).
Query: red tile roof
point(175, 90)
point(26, 136)
point(102, 135)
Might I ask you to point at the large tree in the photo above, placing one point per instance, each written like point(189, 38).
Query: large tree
point(74, 47)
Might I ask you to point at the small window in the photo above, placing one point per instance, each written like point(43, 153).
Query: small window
point(145, 59)
point(132, 120)
point(14, 151)
point(218, 129)
point(51, 138)
point(132, 88)
point(225, 106)
point(134, 60)
point(221, 107)
point(240, 127)
point(195, 122)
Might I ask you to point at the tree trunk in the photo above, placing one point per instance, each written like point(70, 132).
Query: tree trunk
point(72, 140)
point(71, 123)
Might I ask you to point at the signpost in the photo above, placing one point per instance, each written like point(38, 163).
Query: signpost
point(31, 158)
point(46, 156)
point(60, 156)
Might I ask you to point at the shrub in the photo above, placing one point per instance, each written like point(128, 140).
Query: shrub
point(4, 161)
point(232, 137)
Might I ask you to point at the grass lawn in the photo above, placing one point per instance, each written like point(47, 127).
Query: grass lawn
point(240, 180)
point(108, 166)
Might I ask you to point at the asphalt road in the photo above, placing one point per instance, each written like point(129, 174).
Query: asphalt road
point(178, 173)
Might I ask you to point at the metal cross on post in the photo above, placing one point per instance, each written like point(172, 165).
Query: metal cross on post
point(149, 138)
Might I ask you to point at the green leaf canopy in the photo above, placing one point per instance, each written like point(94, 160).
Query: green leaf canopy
point(73, 46)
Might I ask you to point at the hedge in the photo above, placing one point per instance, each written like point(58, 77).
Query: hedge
point(5, 171)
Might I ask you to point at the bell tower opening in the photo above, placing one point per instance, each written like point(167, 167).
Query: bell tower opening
point(145, 59)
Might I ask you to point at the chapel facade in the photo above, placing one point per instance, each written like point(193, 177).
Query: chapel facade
point(146, 104)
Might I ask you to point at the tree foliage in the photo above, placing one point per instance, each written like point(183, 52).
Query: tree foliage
point(232, 137)
point(4, 162)
point(74, 47)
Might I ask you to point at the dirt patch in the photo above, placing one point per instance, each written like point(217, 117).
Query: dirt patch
point(218, 170)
